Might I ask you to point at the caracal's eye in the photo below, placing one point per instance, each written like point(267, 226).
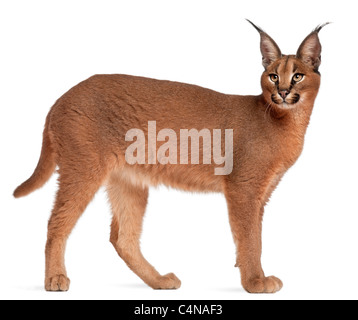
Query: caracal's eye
point(274, 77)
point(298, 77)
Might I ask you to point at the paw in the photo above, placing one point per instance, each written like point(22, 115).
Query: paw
point(169, 281)
point(263, 285)
point(57, 283)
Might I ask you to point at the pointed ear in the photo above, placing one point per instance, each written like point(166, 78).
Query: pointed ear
point(269, 49)
point(310, 49)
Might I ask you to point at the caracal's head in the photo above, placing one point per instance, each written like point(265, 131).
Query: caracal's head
point(290, 81)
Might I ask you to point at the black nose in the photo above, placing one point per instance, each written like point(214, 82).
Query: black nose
point(284, 93)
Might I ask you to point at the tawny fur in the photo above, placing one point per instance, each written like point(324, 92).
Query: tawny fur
point(84, 137)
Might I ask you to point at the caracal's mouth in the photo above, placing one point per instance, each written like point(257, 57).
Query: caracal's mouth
point(288, 103)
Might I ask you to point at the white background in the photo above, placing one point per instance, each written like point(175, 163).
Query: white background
point(310, 235)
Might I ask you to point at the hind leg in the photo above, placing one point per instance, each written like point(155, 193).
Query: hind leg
point(76, 190)
point(128, 203)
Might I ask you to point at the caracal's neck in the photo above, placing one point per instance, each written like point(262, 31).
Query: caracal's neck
point(295, 118)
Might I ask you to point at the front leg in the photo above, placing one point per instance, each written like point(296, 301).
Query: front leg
point(245, 204)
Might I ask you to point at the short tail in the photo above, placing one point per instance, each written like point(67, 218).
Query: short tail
point(44, 170)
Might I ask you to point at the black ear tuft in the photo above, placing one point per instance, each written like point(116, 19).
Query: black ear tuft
point(319, 27)
point(255, 26)
point(269, 49)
